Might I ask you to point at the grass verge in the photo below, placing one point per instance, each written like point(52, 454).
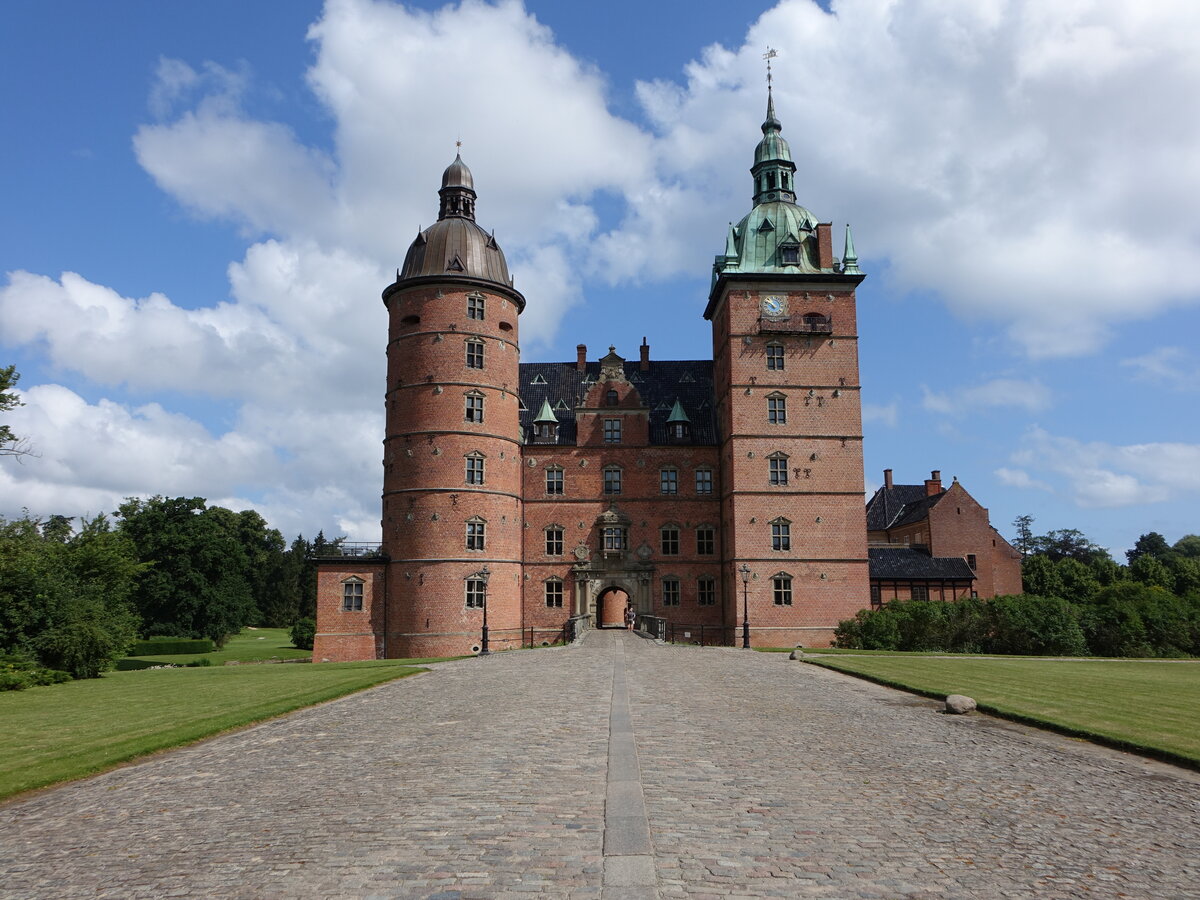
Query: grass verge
point(65, 731)
point(1149, 706)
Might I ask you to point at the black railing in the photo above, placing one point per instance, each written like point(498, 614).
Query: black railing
point(354, 549)
point(700, 635)
point(652, 625)
point(809, 324)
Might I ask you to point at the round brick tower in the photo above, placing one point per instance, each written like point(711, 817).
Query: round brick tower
point(452, 453)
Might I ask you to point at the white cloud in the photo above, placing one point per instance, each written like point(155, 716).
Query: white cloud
point(1019, 478)
point(885, 414)
point(1013, 393)
point(1100, 474)
point(1172, 366)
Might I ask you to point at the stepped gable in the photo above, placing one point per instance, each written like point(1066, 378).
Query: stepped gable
point(688, 381)
point(907, 564)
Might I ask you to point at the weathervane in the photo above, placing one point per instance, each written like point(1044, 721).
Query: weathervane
point(768, 56)
point(458, 143)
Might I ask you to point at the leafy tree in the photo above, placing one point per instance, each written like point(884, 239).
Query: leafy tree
point(1107, 570)
point(67, 602)
point(1150, 544)
point(10, 444)
point(1151, 570)
point(1023, 525)
point(1069, 543)
point(1079, 582)
point(1039, 575)
point(197, 584)
point(1188, 545)
point(1034, 626)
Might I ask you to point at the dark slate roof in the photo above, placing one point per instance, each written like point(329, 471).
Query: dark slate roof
point(686, 380)
point(905, 563)
point(901, 504)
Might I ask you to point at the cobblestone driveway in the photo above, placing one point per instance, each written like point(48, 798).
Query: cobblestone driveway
point(753, 776)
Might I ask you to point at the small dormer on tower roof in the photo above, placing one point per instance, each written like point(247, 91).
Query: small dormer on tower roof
point(545, 415)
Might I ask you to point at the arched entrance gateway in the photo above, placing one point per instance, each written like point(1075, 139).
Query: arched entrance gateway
point(610, 612)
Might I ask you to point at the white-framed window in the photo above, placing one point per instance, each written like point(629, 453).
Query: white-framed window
point(554, 593)
point(781, 534)
point(474, 406)
point(352, 595)
point(706, 540)
point(554, 480)
point(614, 538)
point(669, 540)
point(554, 540)
point(706, 591)
point(476, 593)
point(668, 481)
point(670, 591)
point(776, 409)
point(781, 586)
point(612, 479)
point(475, 306)
point(775, 357)
point(476, 533)
point(704, 481)
point(474, 354)
point(777, 471)
point(612, 431)
point(474, 468)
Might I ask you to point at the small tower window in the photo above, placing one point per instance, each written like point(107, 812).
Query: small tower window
point(475, 306)
point(474, 410)
point(781, 534)
point(781, 586)
point(777, 468)
point(475, 468)
point(610, 398)
point(474, 354)
point(352, 595)
point(475, 533)
point(777, 409)
point(789, 254)
point(775, 357)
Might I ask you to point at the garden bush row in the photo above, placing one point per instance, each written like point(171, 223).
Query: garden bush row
point(1124, 619)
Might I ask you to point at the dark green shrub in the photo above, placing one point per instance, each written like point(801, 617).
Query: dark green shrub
point(197, 663)
point(1028, 625)
point(166, 646)
point(304, 632)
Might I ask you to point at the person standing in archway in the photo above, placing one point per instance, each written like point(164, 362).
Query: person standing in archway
point(629, 616)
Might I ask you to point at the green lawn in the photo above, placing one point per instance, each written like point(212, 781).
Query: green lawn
point(252, 645)
point(1146, 705)
point(66, 731)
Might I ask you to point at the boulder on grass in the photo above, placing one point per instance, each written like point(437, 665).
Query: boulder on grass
point(957, 704)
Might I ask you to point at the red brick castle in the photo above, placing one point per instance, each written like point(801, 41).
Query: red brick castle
point(534, 499)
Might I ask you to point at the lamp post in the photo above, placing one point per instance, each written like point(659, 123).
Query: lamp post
point(483, 575)
point(744, 570)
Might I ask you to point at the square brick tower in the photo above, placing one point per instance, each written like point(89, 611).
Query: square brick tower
point(785, 370)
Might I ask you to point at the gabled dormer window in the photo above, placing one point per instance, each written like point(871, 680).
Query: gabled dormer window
point(610, 398)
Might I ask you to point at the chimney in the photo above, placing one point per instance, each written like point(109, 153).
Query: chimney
point(645, 364)
point(581, 357)
point(887, 478)
point(933, 485)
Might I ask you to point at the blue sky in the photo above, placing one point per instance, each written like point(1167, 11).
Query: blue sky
point(202, 203)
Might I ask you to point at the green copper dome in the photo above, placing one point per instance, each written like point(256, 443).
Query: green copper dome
point(777, 235)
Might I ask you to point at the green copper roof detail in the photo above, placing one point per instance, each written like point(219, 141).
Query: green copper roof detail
point(677, 414)
point(545, 414)
point(849, 258)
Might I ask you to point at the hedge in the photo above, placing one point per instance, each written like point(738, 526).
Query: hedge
point(171, 647)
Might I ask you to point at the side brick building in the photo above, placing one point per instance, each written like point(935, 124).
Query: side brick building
point(526, 500)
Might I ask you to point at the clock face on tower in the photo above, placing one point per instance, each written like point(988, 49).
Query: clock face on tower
point(774, 305)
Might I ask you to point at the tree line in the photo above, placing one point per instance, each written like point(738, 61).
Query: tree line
point(74, 599)
point(1077, 601)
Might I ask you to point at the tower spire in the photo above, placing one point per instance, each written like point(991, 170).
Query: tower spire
point(849, 257)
